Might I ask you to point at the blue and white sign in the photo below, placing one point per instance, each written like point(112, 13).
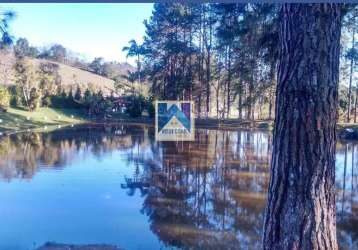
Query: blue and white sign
point(174, 121)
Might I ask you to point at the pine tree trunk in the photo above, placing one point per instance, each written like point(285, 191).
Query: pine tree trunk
point(350, 82)
point(208, 63)
point(356, 106)
point(270, 105)
point(301, 210)
point(228, 83)
point(240, 105)
point(272, 88)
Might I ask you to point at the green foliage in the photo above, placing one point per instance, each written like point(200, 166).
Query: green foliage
point(343, 99)
point(149, 106)
point(49, 78)
point(192, 49)
point(151, 109)
point(134, 110)
point(34, 100)
point(133, 49)
point(5, 38)
point(4, 97)
point(78, 94)
point(56, 52)
point(97, 66)
point(63, 101)
point(70, 95)
point(352, 54)
point(96, 104)
point(15, 96)
point(25, 80)
point(87, 96)
point(47, 101)
point(22, 49)
point(136, 107)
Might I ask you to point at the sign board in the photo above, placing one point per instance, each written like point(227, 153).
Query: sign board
point(174, 121)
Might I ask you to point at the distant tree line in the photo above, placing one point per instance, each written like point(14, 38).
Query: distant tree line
point(224, 57)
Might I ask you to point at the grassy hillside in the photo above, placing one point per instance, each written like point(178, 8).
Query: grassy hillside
point(17, 119)
point(70, 76)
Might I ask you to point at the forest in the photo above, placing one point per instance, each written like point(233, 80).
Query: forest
point(225, 58)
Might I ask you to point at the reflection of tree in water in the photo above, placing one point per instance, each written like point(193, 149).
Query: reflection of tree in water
point(198, 191)
point(136, 157)
point(207, 194)
point(211, 193)
point(21, 155)
point(347, 196)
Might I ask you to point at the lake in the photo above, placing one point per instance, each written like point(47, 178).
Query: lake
point(117, 185)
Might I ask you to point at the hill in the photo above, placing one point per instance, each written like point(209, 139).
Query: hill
point(71, 77)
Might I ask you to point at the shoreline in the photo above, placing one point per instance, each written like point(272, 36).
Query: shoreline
point(20, 121)
point(344, 130)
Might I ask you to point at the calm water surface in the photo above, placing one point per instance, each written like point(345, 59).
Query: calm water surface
point(116, 185)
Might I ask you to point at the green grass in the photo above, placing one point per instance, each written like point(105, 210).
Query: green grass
point(18, 119)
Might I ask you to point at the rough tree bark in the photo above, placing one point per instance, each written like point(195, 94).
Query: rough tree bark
point(301, 210)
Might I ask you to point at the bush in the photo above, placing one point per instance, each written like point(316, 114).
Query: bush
point(150, 106)
point(151, 110)
point(35, 98)
point(4, 97)
point(47, 101)
point(16, 99)
point(134, 110)
point(137, 104)
point(61, 101)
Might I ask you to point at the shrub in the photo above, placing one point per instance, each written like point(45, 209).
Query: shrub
point(62, 101)
point(136, 106)
point(4, 97)
point(35, 98)
point(78, 94)
point(150, 107)
point(151, 110)
point(15, 97)
point(134, 110)
point(47, 101)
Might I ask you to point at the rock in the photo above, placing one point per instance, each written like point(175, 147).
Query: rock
point(56, 246)
point(348, 134)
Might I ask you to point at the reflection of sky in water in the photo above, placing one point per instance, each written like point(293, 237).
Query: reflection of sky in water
point(69, 187)
point(82, 204)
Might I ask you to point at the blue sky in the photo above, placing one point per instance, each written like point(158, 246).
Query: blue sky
point(90, 29)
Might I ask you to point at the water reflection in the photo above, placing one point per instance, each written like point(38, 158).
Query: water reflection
point(207, 194)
